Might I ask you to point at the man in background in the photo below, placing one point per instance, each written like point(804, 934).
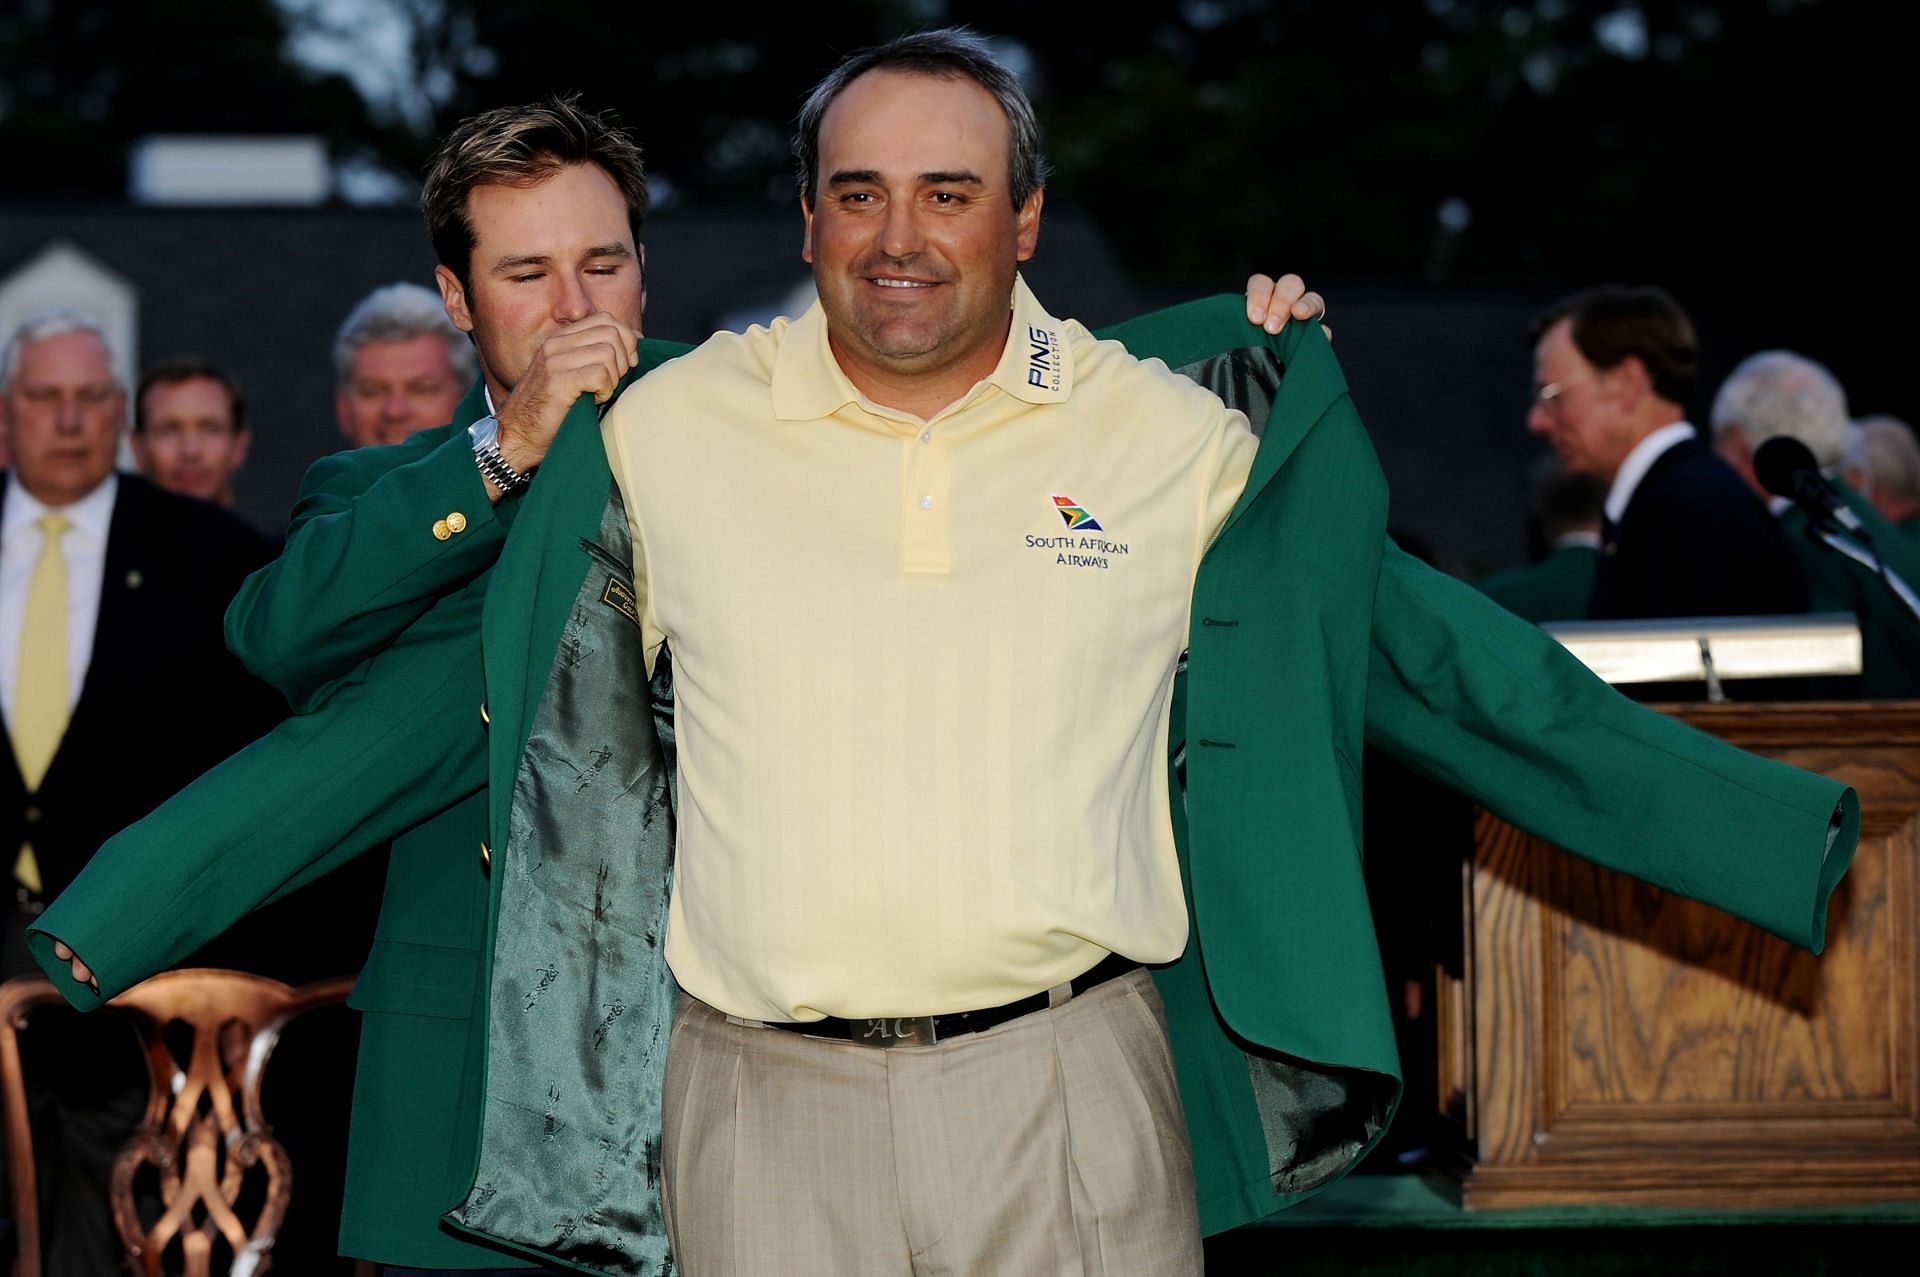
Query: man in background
point(190, 432)
point(1778, 393)
point(116, 690)
point(399, 366)
point(1883, 465)
point(1614, 368)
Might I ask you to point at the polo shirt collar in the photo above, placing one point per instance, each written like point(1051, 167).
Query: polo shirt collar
point(1036, 367)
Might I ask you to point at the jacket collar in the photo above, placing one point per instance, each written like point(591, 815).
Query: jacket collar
point(1312, 384)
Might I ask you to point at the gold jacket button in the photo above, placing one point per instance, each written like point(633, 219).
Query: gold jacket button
point(486, 859)
point(457, 522)
point(440, 530)
point(485, 718)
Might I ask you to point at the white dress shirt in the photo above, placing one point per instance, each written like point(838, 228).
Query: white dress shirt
point(85, 546)
point(1638, 462)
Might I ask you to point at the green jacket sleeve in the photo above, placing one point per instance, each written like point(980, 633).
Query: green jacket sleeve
point(362, 561)
point(389, 750)
point(1476, 698)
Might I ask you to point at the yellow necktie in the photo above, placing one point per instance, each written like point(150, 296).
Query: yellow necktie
point(40, 705)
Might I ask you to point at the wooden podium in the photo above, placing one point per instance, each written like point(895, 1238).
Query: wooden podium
point(1608, 1043)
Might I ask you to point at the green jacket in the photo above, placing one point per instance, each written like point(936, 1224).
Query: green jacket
point(1554, 589)
point(1311, 636)
point(1889, 636)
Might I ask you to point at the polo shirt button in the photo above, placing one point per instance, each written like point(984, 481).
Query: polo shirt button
point(926, 436)
point(926, 503)
point(32, 814)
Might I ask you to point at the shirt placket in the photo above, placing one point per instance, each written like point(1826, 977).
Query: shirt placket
point(925, 501)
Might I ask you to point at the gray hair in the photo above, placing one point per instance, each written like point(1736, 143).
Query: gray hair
point(1887, 457)
point(949, 54)
point(1777, 392)
point(401, 312)
point(55, 322)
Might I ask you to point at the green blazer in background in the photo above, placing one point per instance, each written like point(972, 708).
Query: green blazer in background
point(1554, 589)
point(1889, 636)
point(1311, 636)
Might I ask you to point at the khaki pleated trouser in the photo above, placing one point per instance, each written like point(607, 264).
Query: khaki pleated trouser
point(1051, 1145)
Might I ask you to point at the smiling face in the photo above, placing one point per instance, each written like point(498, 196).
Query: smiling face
point(394, 388)
point(544, 257)
point(63, 410)
point(189, 442)
point(914, 239)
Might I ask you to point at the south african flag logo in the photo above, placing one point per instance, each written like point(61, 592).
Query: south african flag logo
point(1076, 516)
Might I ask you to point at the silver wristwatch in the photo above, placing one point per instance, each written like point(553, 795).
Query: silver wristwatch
point(485, 434)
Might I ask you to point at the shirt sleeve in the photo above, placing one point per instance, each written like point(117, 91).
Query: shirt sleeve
point(1229, 462)
point(619, 431)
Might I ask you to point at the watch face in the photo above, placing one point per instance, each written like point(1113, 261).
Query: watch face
point(484, 432)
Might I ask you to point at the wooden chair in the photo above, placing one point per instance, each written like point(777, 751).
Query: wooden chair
point(203, 1135)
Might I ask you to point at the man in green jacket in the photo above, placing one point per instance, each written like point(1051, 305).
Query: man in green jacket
point(1565, 513)
point(1307, 637)
point(1778, 393)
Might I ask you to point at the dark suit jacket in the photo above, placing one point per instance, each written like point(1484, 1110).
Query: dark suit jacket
point(163, 700)
point(1695, 541)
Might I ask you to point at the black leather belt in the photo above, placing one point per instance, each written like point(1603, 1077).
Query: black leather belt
point(925, 1030)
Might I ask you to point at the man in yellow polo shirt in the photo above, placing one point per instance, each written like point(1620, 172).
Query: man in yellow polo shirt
point(924, 560)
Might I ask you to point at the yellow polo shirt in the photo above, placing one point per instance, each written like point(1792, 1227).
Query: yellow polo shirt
point(921, 668)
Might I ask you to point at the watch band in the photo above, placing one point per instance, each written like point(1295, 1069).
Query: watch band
point(485, 434)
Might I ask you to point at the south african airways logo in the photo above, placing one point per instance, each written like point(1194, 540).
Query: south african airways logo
point(1076, 516)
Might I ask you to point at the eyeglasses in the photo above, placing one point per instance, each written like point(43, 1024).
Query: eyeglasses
point(1549, 395)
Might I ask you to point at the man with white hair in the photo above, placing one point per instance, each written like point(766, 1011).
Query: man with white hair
point(1883, 465)
point(1779, 393)
point(399, 366)
point(116, 690)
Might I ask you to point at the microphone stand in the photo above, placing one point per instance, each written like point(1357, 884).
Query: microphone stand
point(1869, 559)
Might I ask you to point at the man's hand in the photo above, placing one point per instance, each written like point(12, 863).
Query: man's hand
point(589, 357)
point(81, 972)
point(1271, 302)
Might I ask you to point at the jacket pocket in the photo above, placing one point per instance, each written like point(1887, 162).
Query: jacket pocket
point(418, 979)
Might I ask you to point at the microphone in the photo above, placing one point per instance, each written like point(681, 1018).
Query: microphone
point(1787, 469)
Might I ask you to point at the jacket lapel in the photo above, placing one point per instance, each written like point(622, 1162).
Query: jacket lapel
point(1312, 383)
point(533, 588)
point(537, 577)
point(1214, 344)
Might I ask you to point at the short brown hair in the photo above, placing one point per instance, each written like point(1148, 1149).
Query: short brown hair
point(522, 146)
point(1613, 321)
point(953, 53)
point(171, 372)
